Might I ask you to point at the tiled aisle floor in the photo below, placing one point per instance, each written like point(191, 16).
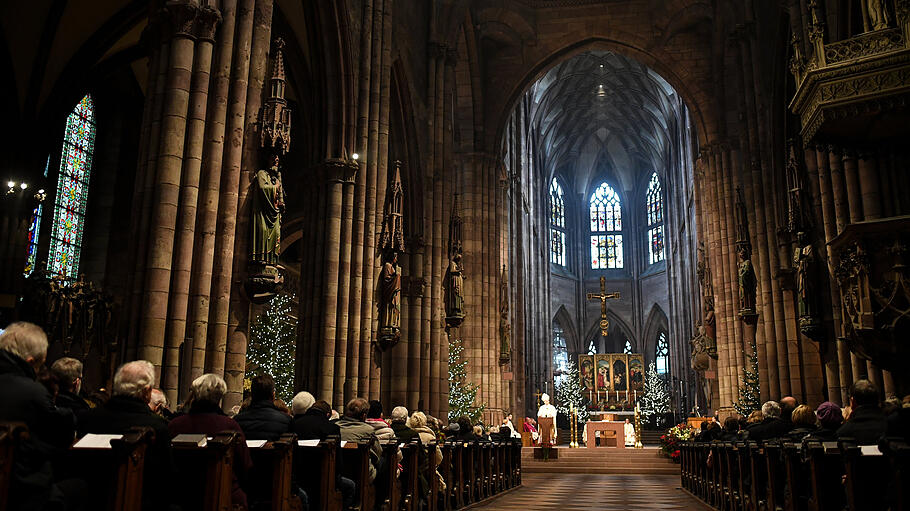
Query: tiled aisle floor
point(584, 492)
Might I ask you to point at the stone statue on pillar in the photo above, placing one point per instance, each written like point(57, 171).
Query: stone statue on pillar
point(807, 310)
point(748, 283)
point(879, 19)
point(505, 327)
point(391, 243)
point(266, 276)
point(453, 283)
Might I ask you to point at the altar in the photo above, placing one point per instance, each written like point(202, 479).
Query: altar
point(616, 427)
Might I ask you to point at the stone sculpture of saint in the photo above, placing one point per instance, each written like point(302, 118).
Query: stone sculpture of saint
point(747, 281)
point(879, 18)
point(268, 206)
point(804, 260)
point(454, 288)
point(390, 294)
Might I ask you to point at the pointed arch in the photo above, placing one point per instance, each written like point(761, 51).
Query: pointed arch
point(656, 324)
point(573, 344)
point(617, 324)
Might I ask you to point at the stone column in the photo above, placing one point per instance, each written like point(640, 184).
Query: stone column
point(167, 181)
point(342, 383)
point(204, 29)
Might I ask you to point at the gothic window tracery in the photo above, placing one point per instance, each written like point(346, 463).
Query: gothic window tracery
point(627, 349)
point(557, 224)
point(560, 352)
point(663, 354)
point(606, 228)
point(592, 348)
point(655, 205)
point(72, 190)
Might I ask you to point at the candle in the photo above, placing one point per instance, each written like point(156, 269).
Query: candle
point(635, 395)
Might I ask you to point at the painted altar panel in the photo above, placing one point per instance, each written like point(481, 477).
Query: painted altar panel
point(602, 372)
point(636, 372)
point(586, 372)
point(619, 372)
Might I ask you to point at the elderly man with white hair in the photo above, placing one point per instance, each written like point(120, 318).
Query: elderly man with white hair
point(128, 407)
point(23, 349)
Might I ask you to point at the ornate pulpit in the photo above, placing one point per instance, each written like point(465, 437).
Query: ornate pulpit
point(546, 426)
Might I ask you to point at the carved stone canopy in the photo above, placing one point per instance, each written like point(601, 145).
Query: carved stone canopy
point(871, 266)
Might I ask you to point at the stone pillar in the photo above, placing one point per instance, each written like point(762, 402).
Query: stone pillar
point(204, 29)
point(167, 181)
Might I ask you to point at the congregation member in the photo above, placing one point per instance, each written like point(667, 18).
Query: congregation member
point(23, 350)
point(205, 416)
point(730, 432)
point(400, 426)
point(867, 422)
point(262, 420)
point(771, 426)
point(419, 423)
point(354, 428)
point(376, 419)
point(830, 419)
point(804, 423)
point(159, 405)
point(128, 407)
point(68, 372)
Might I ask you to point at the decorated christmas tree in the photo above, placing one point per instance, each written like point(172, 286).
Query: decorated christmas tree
point(570, 393)
point(461, 393)
point(272, 345)
point(656, 398)
point(749, 390)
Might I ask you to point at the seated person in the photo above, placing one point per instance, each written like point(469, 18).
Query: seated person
point(730, 431)
point(23, 349)
point(830, 419)
point(867, 422)
point(354, 428)
point(69, 379)
point(400, 424)
point(205, 416)
point(376, 419)
point(804, 423)
point(158, 405)
point(262, 420)
point(772, 426)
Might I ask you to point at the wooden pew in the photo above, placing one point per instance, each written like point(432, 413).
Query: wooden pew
point(409, 478)
point(744, 469)
point(796, 495)
point(447, 499)
point(868, 473)
point(114, 474)
point(206, 475)
point(468, 473)
point(388, 487)
point(356, 466)
point(271, 481)
point(11, 433)
point(825, 470)
point(433, 495)
point(315, 470)
point(459, 483)
point(759, 472)
point(775, 481)
point(898, 452)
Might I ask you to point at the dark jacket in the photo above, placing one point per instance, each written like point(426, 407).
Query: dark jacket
point(403, 432)
point(866, 425)
point(207, 418)
point(899, 424)
point(769, 429)
point(262, 421)
point(797, 434)
point(314, 424)
point(120, 414)
point(67, 399)
point(51, 430)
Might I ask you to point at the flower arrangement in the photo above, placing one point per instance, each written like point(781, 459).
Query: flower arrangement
point(669, 441)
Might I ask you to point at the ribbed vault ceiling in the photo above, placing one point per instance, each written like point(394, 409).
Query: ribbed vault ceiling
point(602, 111)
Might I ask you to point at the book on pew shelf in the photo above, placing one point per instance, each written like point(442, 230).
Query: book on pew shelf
point(308, 443)
point(344, 443)
point(255, 444)
point(870, 450)
point(189, 440)
point(96, 441)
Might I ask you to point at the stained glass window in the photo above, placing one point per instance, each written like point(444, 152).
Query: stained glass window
point(663, 354)
point(560, 352)
point(628, 347)
point(34, 229)
point(72, 190)
point(592, 348)
point(606, 228)
point(655, 220)
point(557, 224)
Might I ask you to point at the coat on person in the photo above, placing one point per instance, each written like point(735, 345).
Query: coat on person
point(262, 420)
point(314, 424)
point(358, 431)
point(866, 425)
point(383, 432)
point(51, 430)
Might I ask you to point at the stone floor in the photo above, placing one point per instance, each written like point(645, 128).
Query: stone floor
point(595, 492)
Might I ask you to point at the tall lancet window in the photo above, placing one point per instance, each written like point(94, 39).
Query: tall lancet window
point(560, 352)
point(655, 220)
point(34, 229)
point(663, 354)
point(72, 190)
point(557, 224)
point(627, 349)
point(606, 228)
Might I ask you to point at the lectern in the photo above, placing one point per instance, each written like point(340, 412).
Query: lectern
point(546, 431)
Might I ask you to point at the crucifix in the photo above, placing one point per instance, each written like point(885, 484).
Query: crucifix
point(603, 297)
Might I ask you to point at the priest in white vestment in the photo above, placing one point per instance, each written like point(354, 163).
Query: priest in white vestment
point(629, 432)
